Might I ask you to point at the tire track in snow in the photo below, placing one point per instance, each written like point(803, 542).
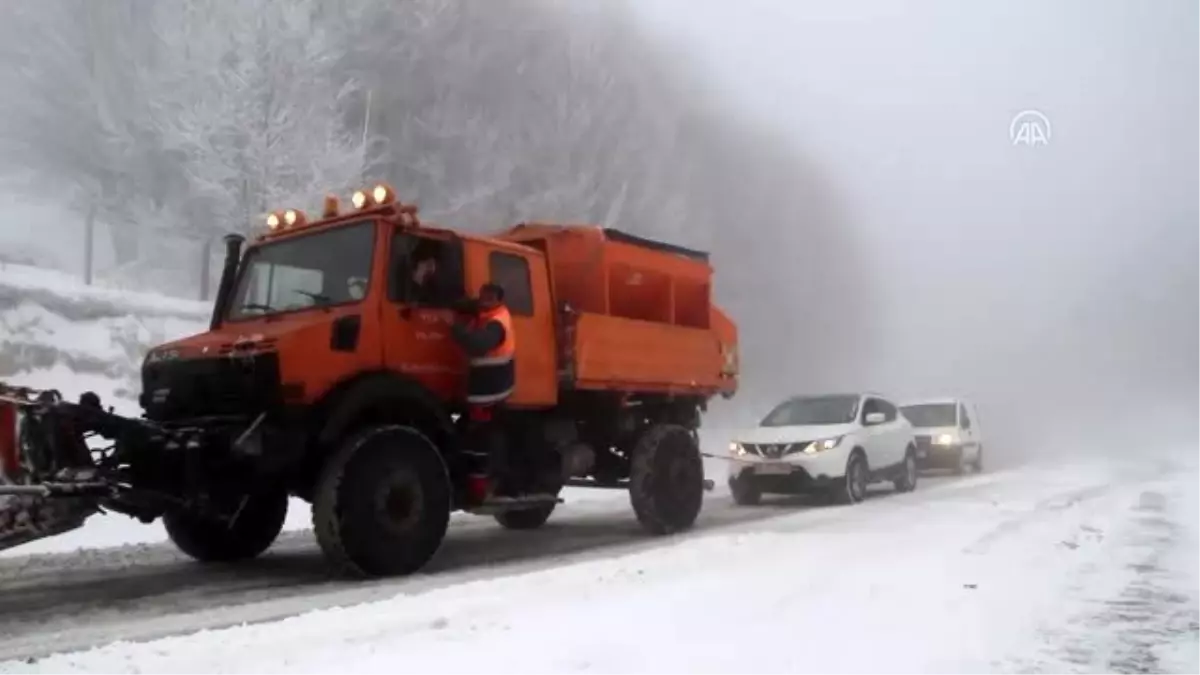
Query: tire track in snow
point(1124, 560)
point(1147, 613)
point(1086, 490)
point(1041, 509)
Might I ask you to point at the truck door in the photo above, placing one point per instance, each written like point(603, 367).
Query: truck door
point(522, 274)
point(417, 317)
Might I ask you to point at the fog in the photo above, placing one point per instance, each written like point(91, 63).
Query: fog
point(1055, 284)
point(848, 164)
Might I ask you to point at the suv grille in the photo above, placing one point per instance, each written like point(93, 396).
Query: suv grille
point(772, 450)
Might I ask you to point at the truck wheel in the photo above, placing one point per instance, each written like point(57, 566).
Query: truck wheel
point(744, 491)
point(525, 519)
point(382, 503)
point(977, 465)
point(666, 481)
point(213, 541)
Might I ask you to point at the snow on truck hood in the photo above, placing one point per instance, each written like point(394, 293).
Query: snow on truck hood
point(796, 434)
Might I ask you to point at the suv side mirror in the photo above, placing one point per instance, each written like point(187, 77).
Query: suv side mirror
point(875, 418)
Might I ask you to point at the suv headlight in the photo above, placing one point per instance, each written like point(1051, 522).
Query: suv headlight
point(945, 439)
point(814, 447)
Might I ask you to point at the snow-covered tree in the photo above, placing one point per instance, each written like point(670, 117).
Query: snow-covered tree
point(72, 120)
point(251, 105)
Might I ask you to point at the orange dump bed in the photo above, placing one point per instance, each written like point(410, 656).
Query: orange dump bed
point(638, 313)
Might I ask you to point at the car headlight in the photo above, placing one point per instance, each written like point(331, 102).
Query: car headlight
point(823, 444)
point(736, 449)
point(945, 439)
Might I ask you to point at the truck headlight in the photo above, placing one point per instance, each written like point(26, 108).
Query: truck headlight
point(824, 444)
point(737, 450)
point(945, 439)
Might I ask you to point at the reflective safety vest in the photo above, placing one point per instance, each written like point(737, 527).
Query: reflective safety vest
point(492, 377)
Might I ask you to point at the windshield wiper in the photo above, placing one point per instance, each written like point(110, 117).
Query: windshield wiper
point(316, 297)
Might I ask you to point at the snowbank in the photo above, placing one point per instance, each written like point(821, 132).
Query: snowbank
point(57, 333)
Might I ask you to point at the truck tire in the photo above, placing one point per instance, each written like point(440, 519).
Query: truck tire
point(382, 503)
point(213, 541)
point(666, 481)
point(525, 519)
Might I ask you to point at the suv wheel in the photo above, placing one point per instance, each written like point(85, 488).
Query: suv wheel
point(852, 488)
point(744, 491)
point(906, 480)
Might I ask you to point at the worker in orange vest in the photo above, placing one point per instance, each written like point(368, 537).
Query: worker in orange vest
point(490, 344)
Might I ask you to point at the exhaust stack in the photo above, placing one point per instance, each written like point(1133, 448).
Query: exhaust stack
point(233, 255)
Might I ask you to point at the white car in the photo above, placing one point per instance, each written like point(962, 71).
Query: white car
point(947, 434)
point(836, 444)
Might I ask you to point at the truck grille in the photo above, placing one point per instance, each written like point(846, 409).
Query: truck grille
point(174, 390)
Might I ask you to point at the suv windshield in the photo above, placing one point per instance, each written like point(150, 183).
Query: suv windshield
point(310, 270)
point(930, 414)
point(813, 410)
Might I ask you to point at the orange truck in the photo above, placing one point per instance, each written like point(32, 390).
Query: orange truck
point(329, 373)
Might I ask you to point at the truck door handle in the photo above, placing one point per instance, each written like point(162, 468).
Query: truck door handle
point(405, 313)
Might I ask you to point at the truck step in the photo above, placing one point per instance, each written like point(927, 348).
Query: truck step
point(590, 483)
point(496, 505)
point(709, 484)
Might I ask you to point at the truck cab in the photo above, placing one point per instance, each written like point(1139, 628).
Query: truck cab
point(308, 308)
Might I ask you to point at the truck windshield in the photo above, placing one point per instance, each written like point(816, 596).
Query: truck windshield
point(813, 410)
point(331, 267)
point(930, 414)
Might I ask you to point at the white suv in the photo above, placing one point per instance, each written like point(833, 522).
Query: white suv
point(947, 434)
point(835, 444)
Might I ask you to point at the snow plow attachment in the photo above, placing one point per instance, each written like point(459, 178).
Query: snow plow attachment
point(49, 482)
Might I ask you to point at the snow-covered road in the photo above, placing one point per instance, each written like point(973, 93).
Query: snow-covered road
point(1090, 566)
